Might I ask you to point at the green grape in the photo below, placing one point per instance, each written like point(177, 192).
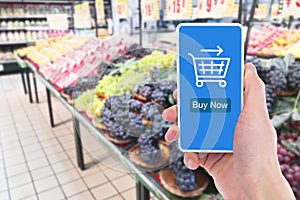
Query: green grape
point(84, 100)
point(97, 105)
point(156, 59)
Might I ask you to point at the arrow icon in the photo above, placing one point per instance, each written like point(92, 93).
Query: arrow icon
point(219, 50)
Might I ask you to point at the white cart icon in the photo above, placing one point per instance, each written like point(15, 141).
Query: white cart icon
point(208, 69)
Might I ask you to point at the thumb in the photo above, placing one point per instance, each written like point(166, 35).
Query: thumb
point(254, 92)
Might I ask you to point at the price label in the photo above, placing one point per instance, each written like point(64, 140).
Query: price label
point(58, 21)
point(211, 9)
point(82, 16)
point(150, 10)
point(1, 67)
point(261, 11)
point(100, 9)
point(235, 10)
point(229, 8)
point(178, 9)
point(291, 8)
point(275, 11)
point(122, 9)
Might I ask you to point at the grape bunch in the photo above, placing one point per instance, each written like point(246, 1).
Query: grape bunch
point(120, 59)
point(150, 151)
point(270, 97)
point(261, 70)
point(160, 135)
point(289, 160)
point(293, 76)
point(184, 177)
point(276, 78)
point(108, 120)
point(158, 91)
point(148, 120)
point(86, 83)
point(163, 89)
point(138, 52)
point(105, 68)
point(134, 105)
point(284, 156)
point(146, 91)
point(292, 175)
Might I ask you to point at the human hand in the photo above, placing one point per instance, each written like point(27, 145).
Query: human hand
point(253, 170)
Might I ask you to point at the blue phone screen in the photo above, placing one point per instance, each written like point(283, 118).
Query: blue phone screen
point(210, 71)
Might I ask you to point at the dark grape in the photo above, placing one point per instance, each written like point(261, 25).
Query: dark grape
point(184, 177)
point(134, 105)
point(293, 76)
point(276, 78)
point(146, 91)
point(149, 149)
point(270, 97)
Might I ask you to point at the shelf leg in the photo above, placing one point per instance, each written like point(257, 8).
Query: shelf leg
point(28, 85)
point(78, 143)
point(142, 193)
point(50, 107)
point(35, 89)
point(23, 79)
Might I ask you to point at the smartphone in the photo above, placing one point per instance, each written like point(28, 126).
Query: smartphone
point(210, 85)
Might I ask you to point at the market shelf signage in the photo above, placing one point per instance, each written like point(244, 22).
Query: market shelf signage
point(178, 9)
point(122, 9)
point(291, 8)
point(150, 10)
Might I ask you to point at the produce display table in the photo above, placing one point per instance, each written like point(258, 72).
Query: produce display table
point(145, 183)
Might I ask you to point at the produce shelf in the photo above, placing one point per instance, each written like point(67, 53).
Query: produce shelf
point(8, 61)
point(146, 179)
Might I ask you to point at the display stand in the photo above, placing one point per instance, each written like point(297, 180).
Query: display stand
point(145, 183)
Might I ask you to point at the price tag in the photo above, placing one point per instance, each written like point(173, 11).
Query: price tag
point(275, 11)
point(211, 9)
point(150, 10)
point(1, 67)
point(178, 9)
point(261, 11)
point(58, 21)
point(229, 8)
point(100, 9)
point(235, 10)
point(122, 9)
point(82, 16)
point(291, 8)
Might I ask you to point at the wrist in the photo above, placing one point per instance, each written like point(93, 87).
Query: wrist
point(271, 185)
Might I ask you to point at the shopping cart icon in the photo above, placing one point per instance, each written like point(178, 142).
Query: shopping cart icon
point(210, 69)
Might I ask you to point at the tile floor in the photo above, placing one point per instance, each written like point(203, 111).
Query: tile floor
point(39, 162)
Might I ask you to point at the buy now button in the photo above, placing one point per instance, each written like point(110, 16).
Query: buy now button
point(210, 105)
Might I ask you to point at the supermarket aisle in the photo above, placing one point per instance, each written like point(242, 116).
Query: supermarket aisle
point(39, 162)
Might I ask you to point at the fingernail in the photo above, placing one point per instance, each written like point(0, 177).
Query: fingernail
point(190, 164)
point(164, 115)
point(251, 69)
point(170, 136)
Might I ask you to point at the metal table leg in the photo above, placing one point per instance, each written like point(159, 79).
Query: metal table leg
point(23, 79)
point(142, 193)
point(50, 107)
point(29, 87)
point(35, 89)
point(78, 143)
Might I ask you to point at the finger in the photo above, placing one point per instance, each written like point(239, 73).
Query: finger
point(202, 158)
point(172, 133)
point(170, 114)
point(191, 160)
point(175, 94)
point(211, 160)
point(254, 95)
